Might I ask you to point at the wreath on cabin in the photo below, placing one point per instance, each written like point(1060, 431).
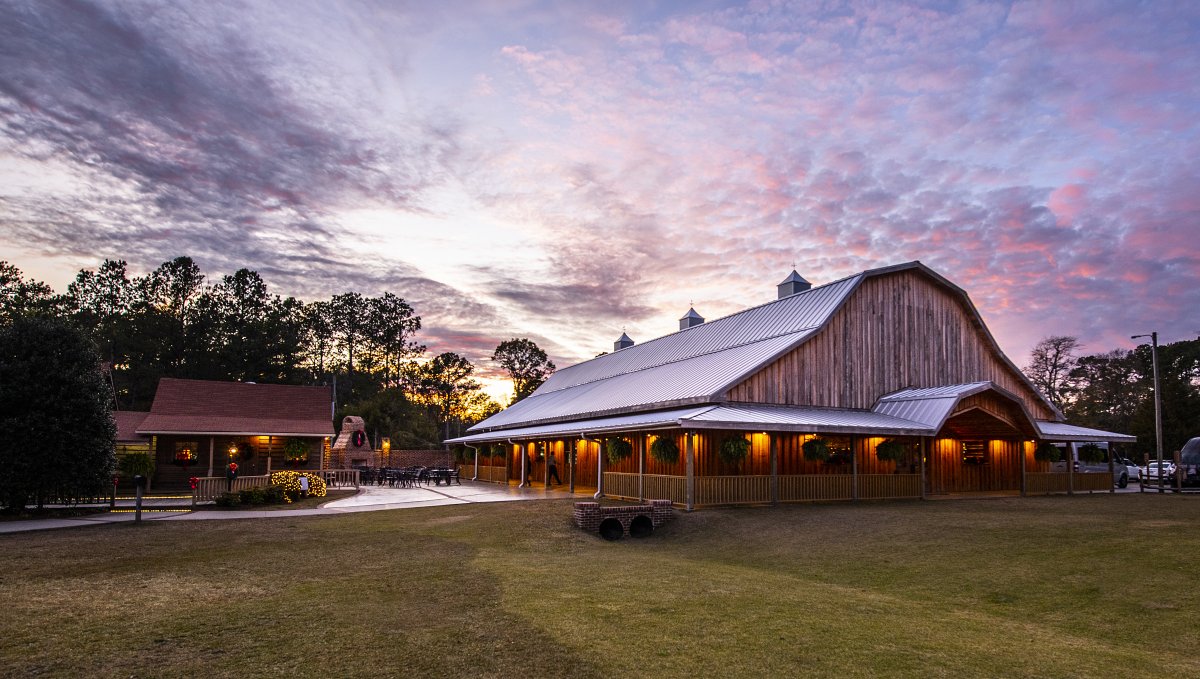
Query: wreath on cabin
point(618, 449)
point(733, 450)
point(665, 450)
point(295, 452)
point(1047, 452)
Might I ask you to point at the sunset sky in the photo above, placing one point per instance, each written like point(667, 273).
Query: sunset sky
point(565, 170)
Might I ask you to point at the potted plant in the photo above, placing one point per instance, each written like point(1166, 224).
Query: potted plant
point(733, 450)
point(618, 449)
point(1090, 452)
point(665, 450)
point(1047, 452)
point(890, 450)
point(816, 450)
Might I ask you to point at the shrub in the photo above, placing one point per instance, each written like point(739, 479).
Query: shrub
point(665, 450)
point(274, 495)
point(619, 449)
point(289, 482)
point(1047, 452)
point(733, 450)
point(890, 450)
point(252, 496)
point(228, 500)
point(816, 450)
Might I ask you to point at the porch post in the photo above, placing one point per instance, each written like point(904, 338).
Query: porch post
point(690, 487)
point(547, 451)
point(211, 445)
point(571, 464)
point(269, 440)
point(854, 468)
point(1071, 468)
point(599, 471)
point(1022, 469)
point(1113, 487)
point(641, 466)
point(923, 453)
point(476, 476)
point(773, 451)
point(524, 466)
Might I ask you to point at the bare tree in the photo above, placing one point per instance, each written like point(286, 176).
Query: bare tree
point(1050, 366)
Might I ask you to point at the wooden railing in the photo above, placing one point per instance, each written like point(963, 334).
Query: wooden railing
point(888, 486)
point(732, 490)
point(621, 485)
point(335, 478)
point(801, 487)
point(1044, 483)
point(659, 487)
point(209, 487)
point(496, 473)
point(654, 486)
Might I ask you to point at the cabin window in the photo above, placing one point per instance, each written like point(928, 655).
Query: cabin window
point(974, 452)
point(186, 452)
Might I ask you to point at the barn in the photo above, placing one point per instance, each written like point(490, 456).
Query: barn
point(884, 384)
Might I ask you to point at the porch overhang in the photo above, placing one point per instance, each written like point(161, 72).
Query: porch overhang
point(1060, 431)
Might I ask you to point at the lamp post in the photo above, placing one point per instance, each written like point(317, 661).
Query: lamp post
point(1157, 403)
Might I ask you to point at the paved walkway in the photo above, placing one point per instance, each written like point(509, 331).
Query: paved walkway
point(368, 499)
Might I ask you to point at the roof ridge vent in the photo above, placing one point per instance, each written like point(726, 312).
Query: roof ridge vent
point(622, 342)
point(793, 284)
point(690, 319)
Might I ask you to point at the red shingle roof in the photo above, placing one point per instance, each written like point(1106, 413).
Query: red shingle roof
point(128, 422)
point(204, 407)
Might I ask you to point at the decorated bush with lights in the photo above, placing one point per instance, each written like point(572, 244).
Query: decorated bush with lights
point(290, 482)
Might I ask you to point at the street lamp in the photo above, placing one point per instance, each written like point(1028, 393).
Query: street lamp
point(1157, 403)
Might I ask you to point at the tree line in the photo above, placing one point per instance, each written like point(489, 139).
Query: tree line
point(173, 322)
point(1114, 390)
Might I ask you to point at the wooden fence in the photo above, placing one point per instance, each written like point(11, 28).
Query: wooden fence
point(733, 490)
point(209, 487)
point(335, 478)
point(1046, 483)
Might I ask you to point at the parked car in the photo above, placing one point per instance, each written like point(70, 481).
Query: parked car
point(1151, 472)
point(1132, 470)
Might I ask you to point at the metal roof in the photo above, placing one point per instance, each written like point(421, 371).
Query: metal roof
point(804, 311)
point(727, 416)
point(665, 418)
point(814, 420)
point(686, 382)
point(1059, 431)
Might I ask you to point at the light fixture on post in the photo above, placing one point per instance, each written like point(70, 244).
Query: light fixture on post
point(1157, 403)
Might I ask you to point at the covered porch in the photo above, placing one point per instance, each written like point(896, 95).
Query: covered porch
point(970, 439)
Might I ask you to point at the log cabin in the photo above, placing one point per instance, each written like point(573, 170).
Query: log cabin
point(196, 427)
point(885, 384)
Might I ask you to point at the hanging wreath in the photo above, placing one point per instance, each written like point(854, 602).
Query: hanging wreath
point(619, 449)
point(359, 438)
point(295, 452)
point(665, 450)
point(734, 450)
point(1047, 452)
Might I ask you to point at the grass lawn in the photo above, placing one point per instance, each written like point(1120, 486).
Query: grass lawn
point(1095, 585)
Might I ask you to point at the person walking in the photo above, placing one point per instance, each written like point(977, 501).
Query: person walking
point(552, 470)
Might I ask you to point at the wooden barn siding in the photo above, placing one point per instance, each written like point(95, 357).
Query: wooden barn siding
point(895, 331)
point(946, 472)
